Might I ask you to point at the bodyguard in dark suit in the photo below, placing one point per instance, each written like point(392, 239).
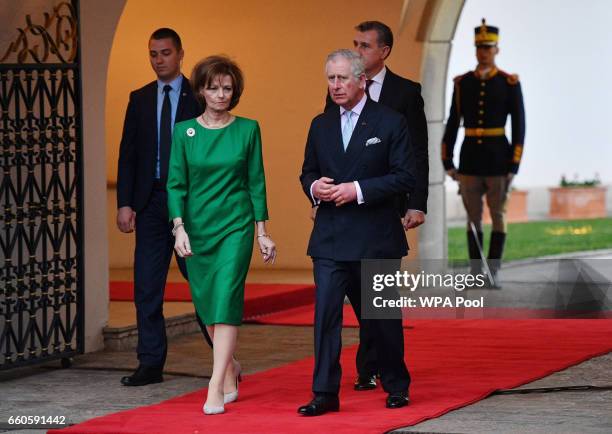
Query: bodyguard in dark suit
point(141, 194)
point(356, 162)
point(374, 41)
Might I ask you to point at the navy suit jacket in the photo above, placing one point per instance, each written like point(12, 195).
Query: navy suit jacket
point(372, 230)
point(404, 96)
point(138, 150)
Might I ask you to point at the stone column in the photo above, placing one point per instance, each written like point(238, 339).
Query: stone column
point(433, 243)
point(98, 22)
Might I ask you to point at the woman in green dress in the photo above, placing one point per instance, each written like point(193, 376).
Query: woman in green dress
point(216, 192)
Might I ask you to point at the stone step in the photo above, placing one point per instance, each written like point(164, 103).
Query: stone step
point(126, 337)
point(121, 332)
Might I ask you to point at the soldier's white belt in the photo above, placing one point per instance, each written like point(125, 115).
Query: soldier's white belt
point(484, 132)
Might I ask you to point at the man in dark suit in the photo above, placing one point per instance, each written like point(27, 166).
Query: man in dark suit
point(356, 162)
point(374, 41)
point(141, 194)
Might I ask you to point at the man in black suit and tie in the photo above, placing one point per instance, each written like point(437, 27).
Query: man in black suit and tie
point(374, 41)
point(141, 194)
point(356, 163)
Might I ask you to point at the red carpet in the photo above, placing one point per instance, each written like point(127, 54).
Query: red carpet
point(453, 363)
point(259, 298)
point(304, 315)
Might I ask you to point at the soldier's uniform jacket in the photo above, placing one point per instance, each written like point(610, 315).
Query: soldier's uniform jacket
point(484, 105)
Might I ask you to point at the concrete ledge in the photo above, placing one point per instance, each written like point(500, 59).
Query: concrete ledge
point(126, 338)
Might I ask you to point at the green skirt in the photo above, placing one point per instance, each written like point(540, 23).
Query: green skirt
point(217, 276)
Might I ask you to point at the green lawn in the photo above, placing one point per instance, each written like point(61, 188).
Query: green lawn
point(532, 239)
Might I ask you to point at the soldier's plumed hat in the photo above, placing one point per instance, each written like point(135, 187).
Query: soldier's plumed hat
point(486, 35)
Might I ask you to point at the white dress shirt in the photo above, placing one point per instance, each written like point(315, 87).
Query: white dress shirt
point(377, 83)
point(355, 113)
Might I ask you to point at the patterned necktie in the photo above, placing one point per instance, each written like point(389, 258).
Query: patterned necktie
point(347, 131)
point(165, 134)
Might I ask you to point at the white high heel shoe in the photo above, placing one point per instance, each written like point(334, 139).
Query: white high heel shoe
point(233, 396)
point(213, 409)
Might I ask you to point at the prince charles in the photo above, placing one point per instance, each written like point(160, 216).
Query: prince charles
point(357, 161)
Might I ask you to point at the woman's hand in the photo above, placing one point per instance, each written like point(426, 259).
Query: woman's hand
point(267, 248)
point(181, 243)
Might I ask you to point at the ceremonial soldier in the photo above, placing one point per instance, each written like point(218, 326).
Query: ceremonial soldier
point(483, 99)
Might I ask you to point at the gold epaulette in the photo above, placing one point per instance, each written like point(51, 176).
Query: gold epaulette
point(510, 78)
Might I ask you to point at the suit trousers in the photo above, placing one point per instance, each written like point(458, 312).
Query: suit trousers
point(366, 360)
point(334, 280)
point(152, 256)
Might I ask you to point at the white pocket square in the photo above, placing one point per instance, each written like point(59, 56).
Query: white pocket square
point(373, 141)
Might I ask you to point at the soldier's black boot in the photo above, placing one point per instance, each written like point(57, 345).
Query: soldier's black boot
point(496, 251)
point(474, 253)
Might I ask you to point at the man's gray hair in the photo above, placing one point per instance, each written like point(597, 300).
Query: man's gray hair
point(357, 67)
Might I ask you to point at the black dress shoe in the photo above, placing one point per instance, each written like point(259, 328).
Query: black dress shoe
point(142, 376)
point(321, 404)
point(365, 382)
point(397, 400)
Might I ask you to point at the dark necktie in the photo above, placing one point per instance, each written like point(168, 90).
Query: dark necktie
point(165, 134)
point(368, 84)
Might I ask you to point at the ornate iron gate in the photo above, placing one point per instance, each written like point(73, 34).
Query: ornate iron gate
point(41, 192)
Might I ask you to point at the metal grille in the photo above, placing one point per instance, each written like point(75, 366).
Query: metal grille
point(41, 228)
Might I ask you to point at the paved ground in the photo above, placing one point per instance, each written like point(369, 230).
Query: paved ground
point(48, 390)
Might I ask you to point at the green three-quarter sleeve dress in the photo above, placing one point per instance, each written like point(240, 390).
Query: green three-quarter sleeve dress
point(216, 184)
